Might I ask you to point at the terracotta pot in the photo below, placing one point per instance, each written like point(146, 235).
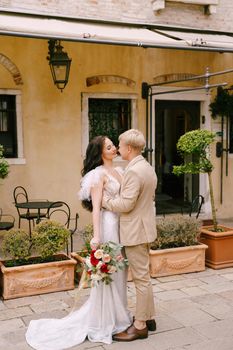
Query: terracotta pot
point(173, 261)
point(34, 279)
point(220, 246)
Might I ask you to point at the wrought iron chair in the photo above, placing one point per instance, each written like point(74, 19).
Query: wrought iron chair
point(20, 195)
point(7, 221)
point(195, 206)
point(62, 214)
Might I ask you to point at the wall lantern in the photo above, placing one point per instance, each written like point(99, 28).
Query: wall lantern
point(59, 63)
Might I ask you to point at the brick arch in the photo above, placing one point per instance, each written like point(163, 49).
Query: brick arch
point(12, 68)
point(109, 79)
point(177, 76)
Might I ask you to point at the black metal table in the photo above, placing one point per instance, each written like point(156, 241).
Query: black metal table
point(37, 205)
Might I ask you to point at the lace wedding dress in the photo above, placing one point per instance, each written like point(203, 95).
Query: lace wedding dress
point(105, 312)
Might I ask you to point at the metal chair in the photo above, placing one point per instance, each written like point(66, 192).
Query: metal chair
point(62, 214)
point(195, 206)
point(8, 223)
point(20, 195)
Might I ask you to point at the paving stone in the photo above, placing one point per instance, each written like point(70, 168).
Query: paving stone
point(228, 276)
point(181, 284)
point(217, 279)
point(218, 287)
point(51, 314)
point(22, 301)
point(171, 295)
point(173, 305)
point(217, 329)
point(49, 306)
point(216, 344)
point(53, 296)
point(170, 278)
point(194, 291)
point(166, 323)
point(15, 313)
point(219, 311)
point(11, 325)
point(175, 338)
point(192, 316)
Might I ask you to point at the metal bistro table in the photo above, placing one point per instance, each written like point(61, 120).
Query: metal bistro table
point(37, 205)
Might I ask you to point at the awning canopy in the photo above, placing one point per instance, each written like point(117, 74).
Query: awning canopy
point(35, 26)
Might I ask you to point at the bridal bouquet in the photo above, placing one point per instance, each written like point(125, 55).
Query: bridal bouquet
point(101, 263)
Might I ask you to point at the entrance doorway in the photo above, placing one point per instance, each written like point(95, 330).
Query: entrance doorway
point(173, 119)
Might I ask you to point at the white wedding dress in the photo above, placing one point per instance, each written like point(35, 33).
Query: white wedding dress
point(105, 312)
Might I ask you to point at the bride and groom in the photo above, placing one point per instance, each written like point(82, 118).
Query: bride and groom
point(115, 198)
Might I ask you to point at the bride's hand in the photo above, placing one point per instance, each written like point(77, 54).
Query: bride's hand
point(94, 243)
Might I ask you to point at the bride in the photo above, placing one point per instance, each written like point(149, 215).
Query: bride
point(105, 312)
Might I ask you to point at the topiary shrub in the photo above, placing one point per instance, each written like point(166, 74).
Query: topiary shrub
point(176, 231)
point(16, 244)
point(49, 237)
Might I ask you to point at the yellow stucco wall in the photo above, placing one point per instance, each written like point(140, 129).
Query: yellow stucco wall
point(52, 120)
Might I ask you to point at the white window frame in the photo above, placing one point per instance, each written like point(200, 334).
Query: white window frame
point(19, 125)
point(212, 4)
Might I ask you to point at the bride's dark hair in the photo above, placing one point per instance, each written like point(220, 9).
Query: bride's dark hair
point(92, 160)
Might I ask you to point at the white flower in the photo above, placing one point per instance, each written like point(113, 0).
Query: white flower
point(100, 263)
point(106, 258)
point(96, 277)
point(99, 253)
point(111, 269)
point(88, 262)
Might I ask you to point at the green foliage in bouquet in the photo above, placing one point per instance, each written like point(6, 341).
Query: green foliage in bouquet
point(176, 231)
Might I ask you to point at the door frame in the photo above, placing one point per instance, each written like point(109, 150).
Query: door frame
point(205, 123)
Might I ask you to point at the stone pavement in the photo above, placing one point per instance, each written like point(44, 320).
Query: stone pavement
point(194, 312)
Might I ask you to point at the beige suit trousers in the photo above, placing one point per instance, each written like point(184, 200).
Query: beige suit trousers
point(138, 258)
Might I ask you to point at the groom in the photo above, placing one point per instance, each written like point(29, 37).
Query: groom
point(137, 228)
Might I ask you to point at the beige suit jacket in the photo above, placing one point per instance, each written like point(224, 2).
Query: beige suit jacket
point(135, 203)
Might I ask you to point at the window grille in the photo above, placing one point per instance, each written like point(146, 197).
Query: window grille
point(8, 131)
point(109, 117)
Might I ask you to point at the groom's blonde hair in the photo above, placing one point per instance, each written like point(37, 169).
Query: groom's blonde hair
point(133, 138)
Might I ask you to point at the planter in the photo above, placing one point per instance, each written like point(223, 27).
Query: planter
point(220, 247)
point(173, 261)
point(34, 279)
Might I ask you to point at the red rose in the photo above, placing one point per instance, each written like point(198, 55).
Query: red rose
point(93, 260)
point(104, 268)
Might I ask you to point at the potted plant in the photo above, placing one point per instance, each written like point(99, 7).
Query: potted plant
point(177, 249)
point(218, 238)
point(37, 265)
point(4, 166)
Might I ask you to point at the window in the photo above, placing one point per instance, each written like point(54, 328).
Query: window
point(109, 117)
point(8, 125)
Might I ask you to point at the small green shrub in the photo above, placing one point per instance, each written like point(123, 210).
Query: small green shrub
point(49, 237)
point(4, 166)
point(16, 244)
point(176, 231)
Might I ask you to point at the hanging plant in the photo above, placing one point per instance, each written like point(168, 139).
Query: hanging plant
point(222, 104)
point(4, 166)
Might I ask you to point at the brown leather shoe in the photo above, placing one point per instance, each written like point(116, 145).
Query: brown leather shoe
point(151, 325)
point(131, 334)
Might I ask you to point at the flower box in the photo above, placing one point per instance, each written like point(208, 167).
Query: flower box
point(220, 246)
point(35, 279)
point(173, 261)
